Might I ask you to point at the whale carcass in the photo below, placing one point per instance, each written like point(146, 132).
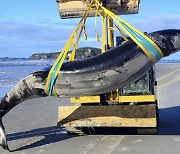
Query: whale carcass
point(96, 75)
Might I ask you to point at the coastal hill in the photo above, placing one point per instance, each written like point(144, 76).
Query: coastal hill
point(80, 53)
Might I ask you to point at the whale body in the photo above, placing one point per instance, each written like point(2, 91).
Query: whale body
point(100, 74)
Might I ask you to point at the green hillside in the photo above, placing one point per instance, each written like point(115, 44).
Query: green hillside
point(80, 53)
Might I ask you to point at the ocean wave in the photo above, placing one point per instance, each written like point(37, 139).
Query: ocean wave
point(6, 83)
point(7, 86)
point(3, 72)
point(13, 70)
point(25, 62)
point(18, 71)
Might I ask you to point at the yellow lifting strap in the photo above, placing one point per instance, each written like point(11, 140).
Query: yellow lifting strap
point(150, 48)
point(49, 87)
point(95, 22)
point(153, 52)
point(72, 56)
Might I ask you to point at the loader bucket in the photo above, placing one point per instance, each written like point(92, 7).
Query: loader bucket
point(76, 8)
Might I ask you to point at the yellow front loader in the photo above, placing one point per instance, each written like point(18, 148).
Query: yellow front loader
point(133, 106)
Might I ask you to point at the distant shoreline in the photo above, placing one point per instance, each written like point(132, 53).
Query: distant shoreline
point(7, 59)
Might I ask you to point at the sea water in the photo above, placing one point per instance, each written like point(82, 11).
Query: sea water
point(12, 70)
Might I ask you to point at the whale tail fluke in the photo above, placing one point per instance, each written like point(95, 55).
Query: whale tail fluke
point(3, 141)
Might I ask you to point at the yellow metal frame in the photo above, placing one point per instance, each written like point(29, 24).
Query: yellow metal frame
point(140, 98)
point(118, 99)
point(103, 34)
point(86, 99)
point(110, 33)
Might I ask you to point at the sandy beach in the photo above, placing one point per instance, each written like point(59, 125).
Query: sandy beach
point(31, 126)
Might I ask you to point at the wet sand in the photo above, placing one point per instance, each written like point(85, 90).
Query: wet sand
point(31, 126)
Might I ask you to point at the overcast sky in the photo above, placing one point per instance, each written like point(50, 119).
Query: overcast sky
point(34, 26)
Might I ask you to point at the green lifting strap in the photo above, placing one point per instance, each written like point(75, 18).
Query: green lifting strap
point(152, 51)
